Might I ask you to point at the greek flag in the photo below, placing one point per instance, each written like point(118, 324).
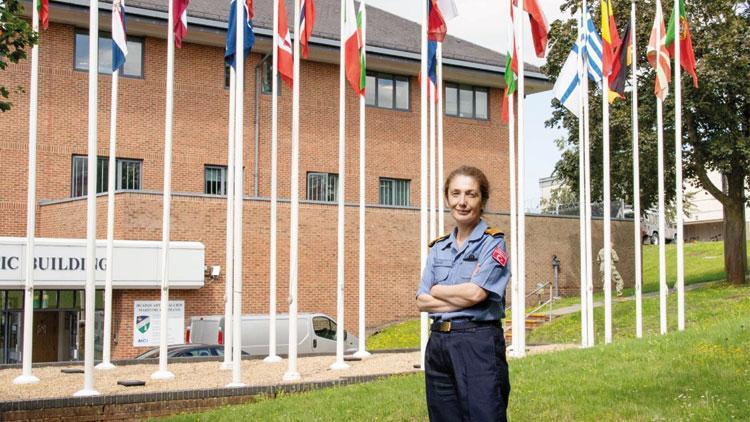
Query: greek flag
point(567, 87)
point(119, 40)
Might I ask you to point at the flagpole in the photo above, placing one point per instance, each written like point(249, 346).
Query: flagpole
point(291, 373)
point(660, 171)
point(272, 356)
point(90, 312)
point(361, 349)
point(587, 177)
point(423, 223)
point(433, 158)
point(519, 309)
point(228, 330)
point(163, 373)
point(440, 169)
point(239, 140)
point(581, 189)
point(636, 178)
point(111, 186)
point(27, 376)
point(606, 208)
point(680, 284)
point(339, 364)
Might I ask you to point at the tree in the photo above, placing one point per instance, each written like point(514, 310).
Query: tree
point(716, 116)
point(16, 35)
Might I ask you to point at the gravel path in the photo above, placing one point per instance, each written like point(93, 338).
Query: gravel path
point(204, 375)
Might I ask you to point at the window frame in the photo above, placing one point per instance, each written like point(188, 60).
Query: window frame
point(105, 176)
point(473, 88)
point(393, 78)
point(224, 187)
point(394, 181)
point(325, 188)
point(106, 34)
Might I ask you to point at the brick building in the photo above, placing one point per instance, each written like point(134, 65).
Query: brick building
point(472, 127)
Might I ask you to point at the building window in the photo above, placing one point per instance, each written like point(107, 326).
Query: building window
point(387, 91)
point(466, 101)
point(128, 175)
point(133, 62)
point(322, 187)
point(216, 180)
point(394, 192)
point(266, 72)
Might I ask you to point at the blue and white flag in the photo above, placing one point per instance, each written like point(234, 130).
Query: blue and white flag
point(119, 40)
point(229, 52)
point(568, 84)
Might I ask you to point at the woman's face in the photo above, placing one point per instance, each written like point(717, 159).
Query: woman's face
point(465, 200)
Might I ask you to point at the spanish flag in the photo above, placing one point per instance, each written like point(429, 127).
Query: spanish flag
point(610, 39)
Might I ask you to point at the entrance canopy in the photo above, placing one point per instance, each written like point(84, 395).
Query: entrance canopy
point(61, 264)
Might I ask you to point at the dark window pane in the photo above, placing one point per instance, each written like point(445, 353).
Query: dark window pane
point(2, 300)
point(402, 93)
point(370, 91)
point(37, 299)
point(216, 177)
point(385, 93)
point(466, 100)
point(99, 300)
point(133, 61)
point(67, 299)
point(15, 299)
point(49, 299)
point(451, 100)
point(385, 192)
point(333, 186)
point(480, 97)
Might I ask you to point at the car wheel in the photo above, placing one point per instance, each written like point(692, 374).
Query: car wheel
point(655, 238)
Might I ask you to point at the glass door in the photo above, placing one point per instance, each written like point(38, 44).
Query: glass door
point(2, 337)
point(13, 337)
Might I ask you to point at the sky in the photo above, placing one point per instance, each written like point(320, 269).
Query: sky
point(483, 22)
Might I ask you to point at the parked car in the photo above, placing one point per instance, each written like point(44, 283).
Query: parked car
point(316, 333)
point(187, 350)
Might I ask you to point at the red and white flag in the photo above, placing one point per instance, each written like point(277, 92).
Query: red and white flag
point(658, 56)
point(539, 26)
point(306, 23)
point(285, 57)
point(352, 43)
point(180, 21)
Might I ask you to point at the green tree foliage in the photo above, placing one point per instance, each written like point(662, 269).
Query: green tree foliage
point(716, 116)
point(16, 35)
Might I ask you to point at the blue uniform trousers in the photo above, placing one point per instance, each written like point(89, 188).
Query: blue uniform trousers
point(466, 375)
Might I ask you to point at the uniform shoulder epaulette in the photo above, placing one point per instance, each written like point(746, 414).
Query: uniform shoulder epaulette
point(494, 232)
point(445, 236)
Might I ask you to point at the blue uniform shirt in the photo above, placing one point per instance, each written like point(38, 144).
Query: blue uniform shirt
point(447, 264)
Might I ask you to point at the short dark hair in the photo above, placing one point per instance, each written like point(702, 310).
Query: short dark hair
point(474, 173)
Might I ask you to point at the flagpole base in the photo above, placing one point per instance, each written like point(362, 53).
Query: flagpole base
point(362, 354)
point(291, 376)
point(25, 379)
point(225, 366)
point(105, 366)
point(337, 366)
point(272, 359)
point(86, 392)
point(162, 375)
point(236, 385)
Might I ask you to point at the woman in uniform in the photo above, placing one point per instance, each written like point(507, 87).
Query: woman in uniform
point(463, 289)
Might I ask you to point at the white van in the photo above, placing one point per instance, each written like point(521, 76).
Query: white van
point(316, 333)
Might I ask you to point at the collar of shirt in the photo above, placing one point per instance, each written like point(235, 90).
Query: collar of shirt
point(476, 234)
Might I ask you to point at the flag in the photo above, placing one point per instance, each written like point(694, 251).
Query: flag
point(539, 27)
point(352, 46)
point(687, 56)
point(306, 23)
point(511, 66)
point(448, 9)
point(249, 36)
point(43, 7)
point(568, 84)
point(663, 70)
point(180, 23)
point(119, 39)
point(361, 20)
point(436, 27)
point(620, 67)
point(285, 57)
point(610, 40)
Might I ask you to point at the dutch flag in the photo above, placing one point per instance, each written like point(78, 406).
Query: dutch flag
point(119, 40)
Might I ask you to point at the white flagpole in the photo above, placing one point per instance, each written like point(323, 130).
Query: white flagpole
point(660, 171)
point(340, 364)
point(163, 373)
point(272, 356)
point(291, 373)
point(424, 189)
point(229, 273)
point(27, 377)
point(636, 179)
point(90, 312)
point(582, 188)
point(433, 159)
point(606, 208)
point(440, 175)
point(519, 308)
point(239, 140)
point(111, 185)
point(587, 176)
point(361, 347)
point(680, 283)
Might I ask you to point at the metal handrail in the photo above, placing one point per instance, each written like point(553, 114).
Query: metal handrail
point(548, 303)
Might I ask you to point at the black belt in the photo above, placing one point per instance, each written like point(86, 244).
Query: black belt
point(458, 325)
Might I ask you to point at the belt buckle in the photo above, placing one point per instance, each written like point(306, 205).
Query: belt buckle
point(445, 327)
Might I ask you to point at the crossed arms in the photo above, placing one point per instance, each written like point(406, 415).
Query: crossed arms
point(449, 298)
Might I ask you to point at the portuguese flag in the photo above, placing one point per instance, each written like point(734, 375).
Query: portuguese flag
point(687, 56)
point(43, 7)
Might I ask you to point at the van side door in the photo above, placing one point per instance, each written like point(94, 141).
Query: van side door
point(324, 339)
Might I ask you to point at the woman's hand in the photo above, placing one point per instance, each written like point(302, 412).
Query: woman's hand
point(429, 303)
point(464, 295)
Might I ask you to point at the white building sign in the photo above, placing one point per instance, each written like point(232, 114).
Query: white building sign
point(61, 264)
point(147, 323)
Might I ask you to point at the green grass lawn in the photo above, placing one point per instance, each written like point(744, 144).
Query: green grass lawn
point(702, 373)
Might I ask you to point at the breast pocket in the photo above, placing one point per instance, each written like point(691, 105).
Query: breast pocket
point(466, 270)
point(441, 269)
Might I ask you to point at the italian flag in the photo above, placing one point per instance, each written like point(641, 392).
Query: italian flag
point(354, 47)
point(687, 56)
point(511, 67)
point(43, 7)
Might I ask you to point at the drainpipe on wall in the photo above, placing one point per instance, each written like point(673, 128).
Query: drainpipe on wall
point(258, 87)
